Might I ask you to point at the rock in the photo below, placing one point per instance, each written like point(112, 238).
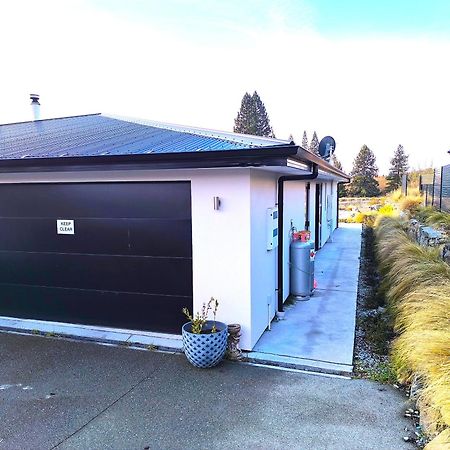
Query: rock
point(413, 229)
point(445, 252)
point(415, 388)
point(429, 237)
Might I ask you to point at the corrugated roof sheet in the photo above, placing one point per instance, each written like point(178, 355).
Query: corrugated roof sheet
point(97, 135)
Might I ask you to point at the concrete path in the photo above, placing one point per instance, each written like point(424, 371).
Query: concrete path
point(62, 394)
point(319, 334)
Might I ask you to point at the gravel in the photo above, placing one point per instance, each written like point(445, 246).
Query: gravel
point(366, 360)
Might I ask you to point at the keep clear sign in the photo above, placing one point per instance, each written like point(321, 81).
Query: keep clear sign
point(65, 226)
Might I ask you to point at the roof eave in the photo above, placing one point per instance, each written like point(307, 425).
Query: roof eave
point(308, 157)
point(271, 156)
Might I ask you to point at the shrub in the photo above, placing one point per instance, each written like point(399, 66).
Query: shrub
point(367, 218)
point(387, 210)
point(395, 196)
point(411, 204)
point(414, 191)
point(440, 219)
point(423, 213)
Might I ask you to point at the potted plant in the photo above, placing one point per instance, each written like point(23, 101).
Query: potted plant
point(204, 341)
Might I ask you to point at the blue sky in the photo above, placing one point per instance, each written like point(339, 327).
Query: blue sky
point(400, 17)
point(365, 72)
point(329, 17)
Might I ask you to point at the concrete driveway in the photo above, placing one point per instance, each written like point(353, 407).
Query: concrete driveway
point(56, 393)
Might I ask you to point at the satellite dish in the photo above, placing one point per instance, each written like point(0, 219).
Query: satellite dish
point(326, 147)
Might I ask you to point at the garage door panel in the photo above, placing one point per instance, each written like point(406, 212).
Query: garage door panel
point(163, 200)
point(128, 265)
point(143, 312)
point(161, 237)
point(169, 276)
point(150, 237)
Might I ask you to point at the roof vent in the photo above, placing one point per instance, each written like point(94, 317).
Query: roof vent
point(35, 106)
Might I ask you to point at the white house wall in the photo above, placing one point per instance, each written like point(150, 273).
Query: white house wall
point(293, 210)
point(263, 261)
point(220, 239)
point(324, 222)
point(329, 209)
point(230, 257)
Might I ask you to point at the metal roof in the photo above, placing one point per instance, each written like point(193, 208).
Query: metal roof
point(100, 135)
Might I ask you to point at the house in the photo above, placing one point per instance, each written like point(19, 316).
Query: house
point(121, 223)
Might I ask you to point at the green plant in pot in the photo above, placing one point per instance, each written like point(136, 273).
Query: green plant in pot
point(204, 341)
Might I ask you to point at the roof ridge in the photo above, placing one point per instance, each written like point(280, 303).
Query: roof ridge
point(51, 118)
point(223, 135)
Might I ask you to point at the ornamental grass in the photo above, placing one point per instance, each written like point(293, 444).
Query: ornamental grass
point(439, 219)
point(417, 286)
point(411, 203)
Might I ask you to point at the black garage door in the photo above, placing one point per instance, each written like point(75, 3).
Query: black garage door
point(128, 263)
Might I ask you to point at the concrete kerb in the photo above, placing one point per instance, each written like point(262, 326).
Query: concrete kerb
point(120, 338)
point(269, 361)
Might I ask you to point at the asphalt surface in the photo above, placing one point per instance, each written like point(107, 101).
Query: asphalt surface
point(56, 393)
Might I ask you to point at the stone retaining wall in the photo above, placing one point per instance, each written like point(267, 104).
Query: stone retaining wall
point(429, 237)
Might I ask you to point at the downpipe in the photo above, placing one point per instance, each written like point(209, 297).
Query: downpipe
point(310, 176)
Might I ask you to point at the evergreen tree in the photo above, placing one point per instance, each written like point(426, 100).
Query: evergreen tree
point(341, 187)
point(263, 122)
point(305, 141)
point(399, 166)
point(291, 138)
point(252, 118)
point(335, 162)
point(245, 120)
point(314, 146)
point(363, 175)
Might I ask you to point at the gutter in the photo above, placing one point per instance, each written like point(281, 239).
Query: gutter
point(252, 157)
point(304, 155)
point(310, 176)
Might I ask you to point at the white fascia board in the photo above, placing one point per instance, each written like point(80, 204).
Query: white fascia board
point(323, 175)
point(295, 164)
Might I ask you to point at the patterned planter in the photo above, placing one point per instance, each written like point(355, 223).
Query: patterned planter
point(205, 350)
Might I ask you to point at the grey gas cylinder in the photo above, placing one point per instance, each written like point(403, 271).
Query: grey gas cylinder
point(300, 267)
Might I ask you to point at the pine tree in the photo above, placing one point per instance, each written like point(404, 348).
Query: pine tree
point(314, 146)
point(305, 141)
point(336, 163)
point(263, 122)
point(291, 138)
point(252, 118)
point(399, 166)
point(363, 175)
point(245, 120)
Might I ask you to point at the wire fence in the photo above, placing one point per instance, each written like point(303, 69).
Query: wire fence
point(436, 188)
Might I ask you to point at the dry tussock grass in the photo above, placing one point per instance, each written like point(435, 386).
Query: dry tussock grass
point(417, 284)
point(441, 442)
point(411, 203)
point(395, 196)
point(440, 219)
